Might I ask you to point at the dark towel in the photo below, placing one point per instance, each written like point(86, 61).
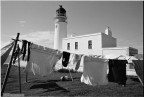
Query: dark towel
point(117, 71)
point(65, 58)
point(23, 50)
point(138, 65)
point(110, 74)
point(29, 43)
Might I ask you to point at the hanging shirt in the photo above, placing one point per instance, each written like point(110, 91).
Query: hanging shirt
point(117, 71)
point(28, 56)
point(5, 52)
point(74, 61)
point(138, 65)
point(58, 59)
point(95, 71)
point(80, 65)
point(5, 48)
point(65, 58)
point(23, 49)
point(71, 61)
point(16, 54)
point(77, 61)
point(110, 73)
point(58, 64)
point(42, 60)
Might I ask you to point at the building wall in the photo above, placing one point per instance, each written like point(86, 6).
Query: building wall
point(83, 44)
point(116, 52)
point(132, 51)
point(126, 51)
point(108, 41)
point(99, 41)
point(102, 44)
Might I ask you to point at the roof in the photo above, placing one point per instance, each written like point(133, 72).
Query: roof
point(126, 47)
point(87, 35)
point(61, 9)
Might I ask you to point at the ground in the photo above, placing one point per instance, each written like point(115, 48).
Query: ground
point(53, 86)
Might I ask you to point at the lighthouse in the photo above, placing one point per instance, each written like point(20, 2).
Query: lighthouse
point(60, 27)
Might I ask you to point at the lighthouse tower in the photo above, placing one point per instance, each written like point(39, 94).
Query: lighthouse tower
point(60, 27)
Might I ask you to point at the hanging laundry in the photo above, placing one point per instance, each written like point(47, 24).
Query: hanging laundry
point(16, 53)
point(5, 48)
point(23, 49)
point(28, 56)
point(74, 61)
point(138, 65)
point(65, 58)
point(58, 59)
point(71, 60)
point(95, 71)
point(77, 61)
point(117, 71)
point(58, 64)
point(42, 60)
point(5, 52)
point(110, 73)
point(80, 66)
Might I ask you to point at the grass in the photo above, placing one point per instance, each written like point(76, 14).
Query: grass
point(53, 86)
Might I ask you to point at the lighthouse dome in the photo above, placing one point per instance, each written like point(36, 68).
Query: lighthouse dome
point(61, 11)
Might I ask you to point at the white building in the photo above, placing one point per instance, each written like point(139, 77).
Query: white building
point(91, 44)
point(126, 51)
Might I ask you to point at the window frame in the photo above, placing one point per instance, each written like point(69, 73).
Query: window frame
point(68, 46)
point(90, 44)
point(76, 45)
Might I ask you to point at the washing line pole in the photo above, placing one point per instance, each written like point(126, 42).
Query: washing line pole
point(9, 66)
point(70, 74)
point(18, 52)
point(26, 77)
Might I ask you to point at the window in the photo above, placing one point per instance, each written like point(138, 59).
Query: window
point(68, 46)
point(90, 44)
point(76, 45)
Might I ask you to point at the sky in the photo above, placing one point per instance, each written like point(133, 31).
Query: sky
point(34, 20)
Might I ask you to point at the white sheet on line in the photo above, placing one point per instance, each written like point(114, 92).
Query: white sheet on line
point(94, 71)
point(42, 60)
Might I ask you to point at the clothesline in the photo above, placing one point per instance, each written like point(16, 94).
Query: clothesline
point(67, 57)
point(53, 55)
point(44, 49)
